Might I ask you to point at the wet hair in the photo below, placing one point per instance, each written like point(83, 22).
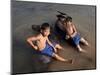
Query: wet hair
point(60, 16)
point(44, 26)
point(69, 18)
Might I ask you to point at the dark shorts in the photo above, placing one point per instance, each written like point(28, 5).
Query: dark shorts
point(59, 32)
point(48, 50)
point(76, 39)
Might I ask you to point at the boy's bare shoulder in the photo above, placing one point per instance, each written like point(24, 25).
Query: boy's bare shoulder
point(37, 36)
point(73, 24)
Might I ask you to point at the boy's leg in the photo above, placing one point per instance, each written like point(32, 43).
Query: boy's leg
point(56, 56)
point(59, 47)
point(84, 41)
point(80, 49)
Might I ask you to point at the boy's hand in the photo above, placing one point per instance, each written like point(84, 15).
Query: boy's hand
point(35, 47)
point(55, 50)
point(67, 37)
point(73, 35)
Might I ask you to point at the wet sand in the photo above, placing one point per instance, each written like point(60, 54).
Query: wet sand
point(25, 14)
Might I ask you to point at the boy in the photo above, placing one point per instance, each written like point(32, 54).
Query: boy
point(44, 45)
point(73, 34)
point(59, 27)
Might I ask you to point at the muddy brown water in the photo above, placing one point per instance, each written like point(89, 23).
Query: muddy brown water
point(25, 14)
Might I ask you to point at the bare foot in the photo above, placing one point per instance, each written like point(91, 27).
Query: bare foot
point(84, 41)
point(81, 50)
point(70, 61)
point(59, 47)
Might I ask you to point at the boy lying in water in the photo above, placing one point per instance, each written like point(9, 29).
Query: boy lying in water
point(43, 44)
point(72, 33)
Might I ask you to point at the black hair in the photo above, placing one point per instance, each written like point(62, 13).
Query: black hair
point(69, 18)
point(45, 26)
point(60, 16)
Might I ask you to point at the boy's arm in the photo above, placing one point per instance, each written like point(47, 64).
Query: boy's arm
point(33, 38)
point(68, 33)
point(75, 31)
point(49, 42)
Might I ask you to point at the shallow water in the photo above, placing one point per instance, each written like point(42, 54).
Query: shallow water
point(25, 14)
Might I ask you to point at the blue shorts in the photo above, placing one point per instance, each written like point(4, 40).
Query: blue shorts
point(76, 39)
point(48, 50)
